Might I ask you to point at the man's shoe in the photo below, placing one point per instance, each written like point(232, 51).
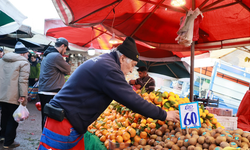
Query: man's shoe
point(13, 145)
point(1, 138)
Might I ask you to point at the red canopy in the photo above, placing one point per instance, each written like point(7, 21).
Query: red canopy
point(100, 36)
point(155, 22)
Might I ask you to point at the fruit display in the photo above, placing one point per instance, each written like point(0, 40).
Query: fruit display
point(118, 124)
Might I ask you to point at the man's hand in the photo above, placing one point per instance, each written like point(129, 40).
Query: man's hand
point(36, 79)
point(22, 100)
point(132, 82)
point(138, 86)
point(173, 116)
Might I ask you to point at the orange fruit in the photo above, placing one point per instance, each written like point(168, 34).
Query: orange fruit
point(171, 98)
point(137, 138)
point(214, 121)
point(103, 138)
point(143, 134)
point(160, 122)
point(147, 130)
point(133, 125)
point(171, 109)
point(152, 96)
point(122, 146)
point(111, 136)
point(144, 94)
point(149, 120)
point(119, 139)
point(106, 143)
point(171, 94)
point(137, 116)
point(158, 100)
point(132, 132)
point(97, 132)
point(165, 94)
point(104, 132)
point(152, 125)
point(142, 125)
point(126, 136)
point(201, 120)
point(119, 133)
point(98, 125)
point(144, 121)
point(128, 141)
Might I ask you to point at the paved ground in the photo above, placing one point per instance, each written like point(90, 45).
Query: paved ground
point(29, 132)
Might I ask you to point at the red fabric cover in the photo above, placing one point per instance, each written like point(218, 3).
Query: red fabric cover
point(61, 128)
point(243, 113)
point(133, 17)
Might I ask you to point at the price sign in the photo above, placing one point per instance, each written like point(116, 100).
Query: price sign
point(189, 115)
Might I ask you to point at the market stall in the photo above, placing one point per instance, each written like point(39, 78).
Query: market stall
point(119, 126)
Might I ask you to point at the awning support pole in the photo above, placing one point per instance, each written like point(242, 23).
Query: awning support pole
point(191, 95)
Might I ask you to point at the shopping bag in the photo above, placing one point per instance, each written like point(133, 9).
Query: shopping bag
point(33, 91)
point(21, 113)
point(188, 31)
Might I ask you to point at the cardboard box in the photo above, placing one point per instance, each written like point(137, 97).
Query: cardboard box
point(230, 123)
point(220, 111)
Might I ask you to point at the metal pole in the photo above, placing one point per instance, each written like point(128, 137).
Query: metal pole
point(192, 73)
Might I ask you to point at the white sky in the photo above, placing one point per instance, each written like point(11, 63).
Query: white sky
point(36, 11)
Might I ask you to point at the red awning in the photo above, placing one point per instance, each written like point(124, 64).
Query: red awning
point(225, 24)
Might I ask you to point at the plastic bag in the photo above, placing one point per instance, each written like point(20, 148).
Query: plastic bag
point(185, 33)
point(21, 114)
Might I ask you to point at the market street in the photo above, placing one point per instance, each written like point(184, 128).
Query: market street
point(28, 132)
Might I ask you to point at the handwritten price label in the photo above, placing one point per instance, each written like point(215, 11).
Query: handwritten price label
point(189, 115)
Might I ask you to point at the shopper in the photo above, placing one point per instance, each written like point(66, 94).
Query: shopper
point(34, 70)
point(89, 91)
point(1, 53)
point(144, 80)
point(53, 69)
point(14, 73)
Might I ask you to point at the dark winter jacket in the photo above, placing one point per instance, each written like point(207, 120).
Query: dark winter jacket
point(93, 86)
point(53, 69)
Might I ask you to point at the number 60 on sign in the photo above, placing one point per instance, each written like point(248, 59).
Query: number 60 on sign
point(189, 115)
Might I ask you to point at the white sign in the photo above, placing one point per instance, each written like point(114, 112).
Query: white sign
point(189, 115)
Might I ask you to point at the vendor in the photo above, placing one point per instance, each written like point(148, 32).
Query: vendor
point(89, 91)
point(143, 80)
